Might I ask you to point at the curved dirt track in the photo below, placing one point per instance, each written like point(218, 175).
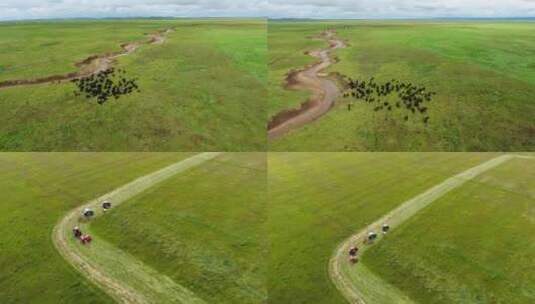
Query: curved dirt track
point(120, 275)
point(371, 287)
point(91, 65)
point(324, 91)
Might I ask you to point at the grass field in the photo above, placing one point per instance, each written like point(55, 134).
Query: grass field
point(203, 228)
point(39, 189)
point(474, 245)
point(203, 89)
point(241, 228)
point(317, 200)
point(482, 71)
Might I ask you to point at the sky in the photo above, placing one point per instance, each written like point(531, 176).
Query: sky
point(326, 9)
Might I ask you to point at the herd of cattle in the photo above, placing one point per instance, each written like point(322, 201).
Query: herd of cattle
point(411, 97)
point(110, 83)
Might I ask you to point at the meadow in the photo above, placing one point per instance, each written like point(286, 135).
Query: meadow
point(482, 71)
point(474, 245)
point(197, 87)
point(38, 190)
point(317, 200)
point(202, 228)
point(261, 228)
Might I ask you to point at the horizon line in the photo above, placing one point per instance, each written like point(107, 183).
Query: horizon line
point(271, 18)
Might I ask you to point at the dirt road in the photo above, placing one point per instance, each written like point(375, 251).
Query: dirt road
point(91, 65)
point(364, 286)
point(324, 91)
point(119, 274)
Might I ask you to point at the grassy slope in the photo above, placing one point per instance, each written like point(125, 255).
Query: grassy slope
point(318, 200)
point(195, 96)
point(202, 228)
point(481, 71)
point(42, 188)
point(475, 245)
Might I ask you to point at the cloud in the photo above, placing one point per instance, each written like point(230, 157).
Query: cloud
point(37, 9)
point(33, 9)
point(400, 8)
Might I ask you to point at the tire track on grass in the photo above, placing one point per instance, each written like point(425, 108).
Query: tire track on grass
point(360, 285)
point(122, 276)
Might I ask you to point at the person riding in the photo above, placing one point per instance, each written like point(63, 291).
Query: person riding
point(77, 232)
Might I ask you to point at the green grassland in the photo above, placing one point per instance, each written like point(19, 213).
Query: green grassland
point(241, 228)
point(33, 49)
point(37, 190)
point(203, 228)
point(483, 72)
point(203, 89)
point(474, 245)
point(317, 200)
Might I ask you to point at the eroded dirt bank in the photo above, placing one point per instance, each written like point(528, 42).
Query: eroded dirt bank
point(91, 65)
point(324, 90)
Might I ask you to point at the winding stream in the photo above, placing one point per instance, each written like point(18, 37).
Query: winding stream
point(324, 91)
point(91, 65)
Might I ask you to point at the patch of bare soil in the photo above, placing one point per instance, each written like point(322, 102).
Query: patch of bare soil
point(324, 90)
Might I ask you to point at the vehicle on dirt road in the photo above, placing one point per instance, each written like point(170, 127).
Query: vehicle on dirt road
point(77, 232)
point(106, 205)
point(88, 213)
point(86, 239)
